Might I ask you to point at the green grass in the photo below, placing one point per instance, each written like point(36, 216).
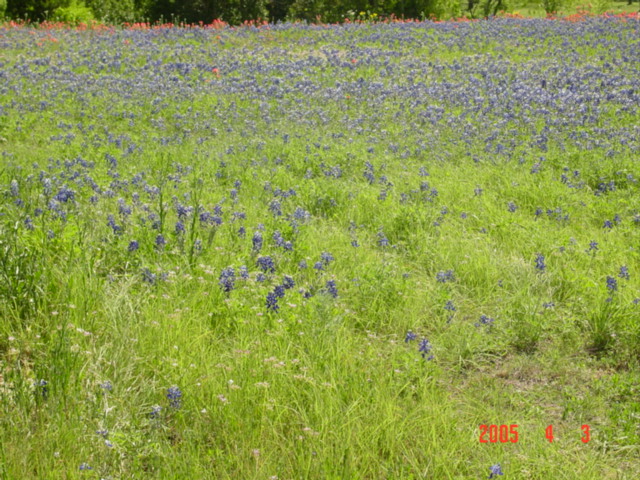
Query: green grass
point(325, 387)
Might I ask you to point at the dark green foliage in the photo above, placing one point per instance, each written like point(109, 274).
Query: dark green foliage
point(194, 11)
point(35, 10)
point(114, 11)
point(238, 11)
point(278, 9)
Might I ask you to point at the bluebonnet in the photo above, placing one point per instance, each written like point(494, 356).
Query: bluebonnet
point(331, 288)
point(445, 276)
point(607, 224)
point(280, 241)
point(301, 215)
point(42, 388)
point(354, 243)
point(450, 306)
point(548, 305)
point(123, 208)
point(424, 347)
point(205, 217)
point(133, 246)
point(484, 320)
point(148, 276)
point(65, 194)
point(28, 223)
point(242, 232)
point(260, 277)
point(257, 241)
point(612, 284)
point(272, 302)
point(266, 264)
point(368, 173)
point(624, 272)
point(326, 258)
point(155, 411)
point(277, 238)
point(179, 227)
point(278, 291)
point(46, 186)
point(275, 207)
point(512, 207)
point(593, 246)
point(319, 266)
point(540, 265)
point(383, 241)
point(288, 282)
point(244, 273)
point(111, 221)
point(227, 279)
point(106, 386)
point(113, 163)
point(495, 470)
point(182, 211)
point(160, 241)
point(14, 188)
point(175, 397)
point(85, 466)
point(303, 264)
point(410, 336)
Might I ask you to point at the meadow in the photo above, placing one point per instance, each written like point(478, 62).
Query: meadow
point(321, 251)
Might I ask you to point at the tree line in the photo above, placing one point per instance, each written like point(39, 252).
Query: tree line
point(239, 11)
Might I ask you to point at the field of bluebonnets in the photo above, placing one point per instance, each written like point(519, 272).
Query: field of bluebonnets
point(320, 251)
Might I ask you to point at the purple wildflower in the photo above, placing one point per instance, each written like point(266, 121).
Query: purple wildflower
point(266, 264)
point(227, 279)
point(495, 470)
point(175, 397)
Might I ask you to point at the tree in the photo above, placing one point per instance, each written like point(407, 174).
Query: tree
point(114, 11)
point(35, 10)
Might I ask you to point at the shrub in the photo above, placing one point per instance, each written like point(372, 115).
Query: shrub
point(113, 11)
point(73, 14)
